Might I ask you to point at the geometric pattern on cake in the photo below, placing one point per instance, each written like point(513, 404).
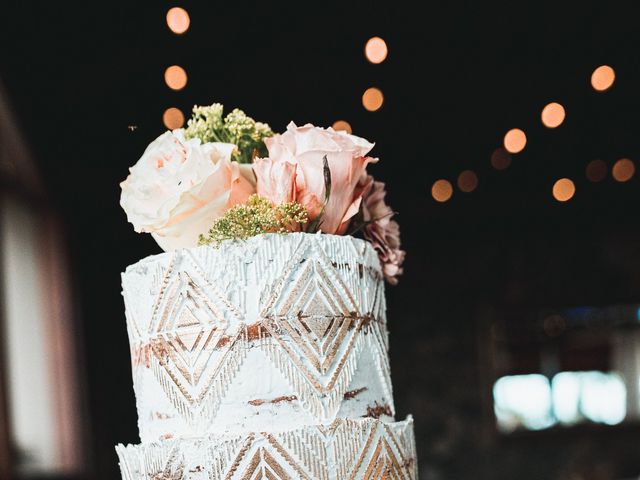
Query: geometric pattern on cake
point(344, 450)
point(211, 327)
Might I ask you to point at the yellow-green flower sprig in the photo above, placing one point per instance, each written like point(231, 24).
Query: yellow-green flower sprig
point(258, 215)
point(209, 125)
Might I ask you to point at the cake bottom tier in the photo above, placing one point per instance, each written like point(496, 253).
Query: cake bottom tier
point(346, 449)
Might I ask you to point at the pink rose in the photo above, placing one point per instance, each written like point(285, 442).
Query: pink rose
point(381, 230)
point(294, 171)
point(179, 187)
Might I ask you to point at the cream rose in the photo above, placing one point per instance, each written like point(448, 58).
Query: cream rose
point(294, 172)
point(179, 187)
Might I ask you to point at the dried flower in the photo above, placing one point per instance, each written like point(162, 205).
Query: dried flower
point(258, 215)
point(381, 230)
point(208, 124)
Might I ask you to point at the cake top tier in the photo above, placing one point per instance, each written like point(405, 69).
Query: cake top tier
point(273, 332)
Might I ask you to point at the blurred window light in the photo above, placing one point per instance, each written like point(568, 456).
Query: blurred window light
point(342, 125)
point(563, 190)
point(602, 78)
point(531, 402)
point(175, 77)
point(372, 99)
point(441, 191)
point(553, 115)
point(623, 170)
point(515, 140)
point(595, 396)
point(500, 159)
point(596, 170)
point(173, 118)
point(467, 181)
point(523, 401)
point(376, 50)
point(178, 20)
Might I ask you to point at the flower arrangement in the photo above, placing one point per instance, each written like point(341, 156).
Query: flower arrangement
point(230, 177)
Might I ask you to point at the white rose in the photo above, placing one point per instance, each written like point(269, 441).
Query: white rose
point(179, 187)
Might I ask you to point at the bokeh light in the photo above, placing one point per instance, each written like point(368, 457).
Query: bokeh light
point(376, 50)
point(175, 77)
point(467, 181)
point(372, 99)
point(564, 190)
point(441, 191)
point(602, 78)
point(342, 125)
point(178, 20)
point(623, 170)
point(500, 159)
point(553, 115)
point(515, 140)
point(173, 118)
point(596, 170)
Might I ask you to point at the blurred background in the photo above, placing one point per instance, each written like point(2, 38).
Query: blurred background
point(509, 140)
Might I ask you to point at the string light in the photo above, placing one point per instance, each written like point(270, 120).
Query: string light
point(173, 118)
point(175, 77)
point(553, 115)
point(372, 99)
point(602, 78)
point(178, 20)
point(563, 190)
point(441, 191)
point(596, 170)
point(515, 140)
point(623, 170)
point(342, 125)
point(467, 181)
point(376, 50)
point(500, 159)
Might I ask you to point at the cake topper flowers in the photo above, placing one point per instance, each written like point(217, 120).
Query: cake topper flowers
point(232, 177)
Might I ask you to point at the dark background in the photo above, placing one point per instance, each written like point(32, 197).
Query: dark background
point(458, 76)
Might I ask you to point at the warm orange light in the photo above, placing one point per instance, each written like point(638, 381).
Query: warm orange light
point(175, 77)
point(467, 181)
point(623, 170)
point(178, 20)
point(564, 190)
point(602, 78)
point(596, 170)
point(515, 140)
point(372, 99)
point(342, 125)
point(376, 50)
point(441, 190)
point(500, 159)
point(173, 118)
point(553, 115)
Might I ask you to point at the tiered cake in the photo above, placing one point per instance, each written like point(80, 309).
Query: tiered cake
point(263, 359)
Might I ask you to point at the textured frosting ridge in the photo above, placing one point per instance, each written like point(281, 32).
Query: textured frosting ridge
point(270, 333)
point(344, 450)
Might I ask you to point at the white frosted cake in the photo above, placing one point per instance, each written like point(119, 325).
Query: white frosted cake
point(263, 359)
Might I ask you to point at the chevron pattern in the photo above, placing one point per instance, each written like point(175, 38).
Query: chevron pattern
point(345, 450)
point(315, 316)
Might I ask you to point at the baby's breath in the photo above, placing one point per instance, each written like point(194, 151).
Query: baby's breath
point(258, 215)
point(209, 125)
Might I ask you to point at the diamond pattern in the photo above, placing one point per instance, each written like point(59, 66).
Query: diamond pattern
point(344, 450)
point(312, 303)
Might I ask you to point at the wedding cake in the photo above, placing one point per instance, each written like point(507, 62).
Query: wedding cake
point(263, 352)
